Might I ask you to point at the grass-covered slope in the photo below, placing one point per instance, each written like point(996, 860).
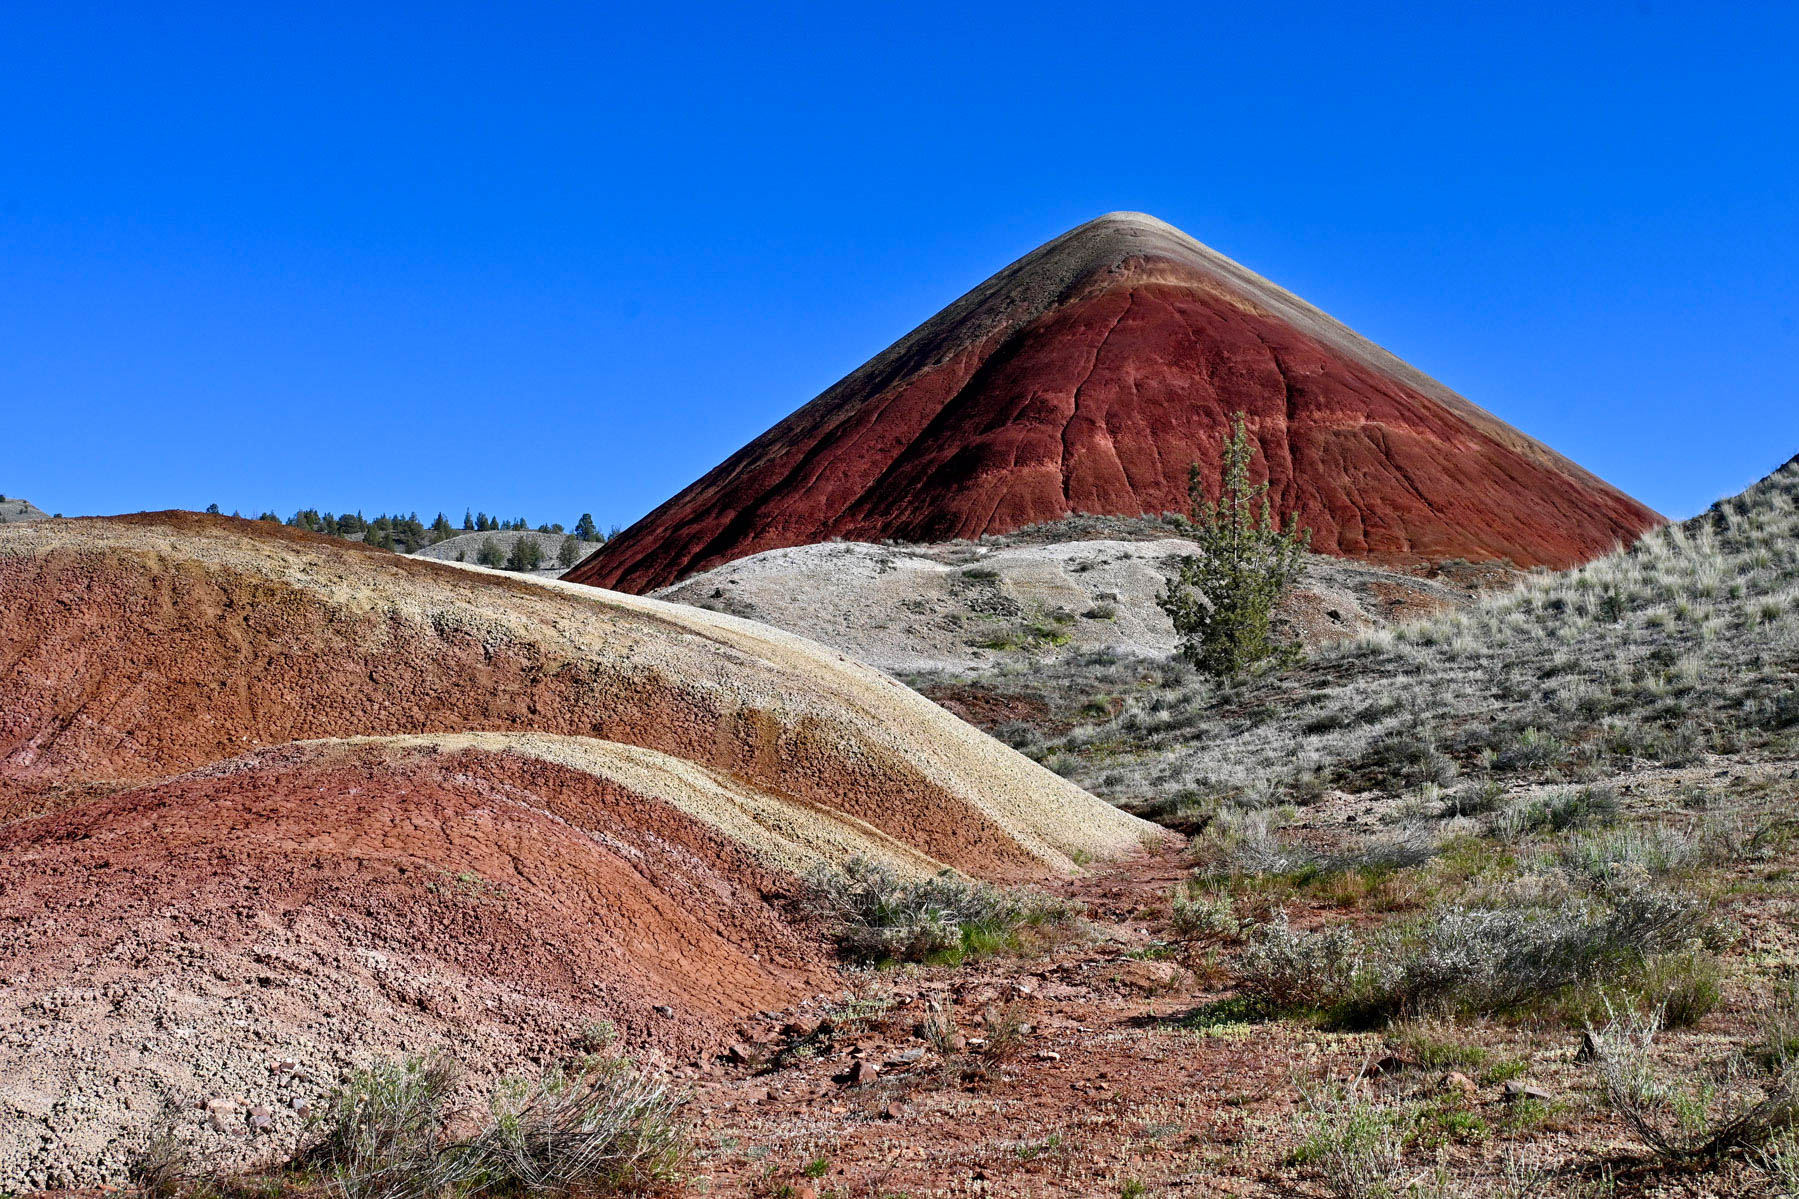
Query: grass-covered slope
point(1686, 642)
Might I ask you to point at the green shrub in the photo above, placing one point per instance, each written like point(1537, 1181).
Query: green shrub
point(526, 554)
point(489, 553)
point(602, 1129)
point(1558, 811)
point(390, 1132)
point(1203, 918)
point(1222, 597)
point(881, 917)
point(381, 1135)
point(1476, 960)
point(1685, 1119)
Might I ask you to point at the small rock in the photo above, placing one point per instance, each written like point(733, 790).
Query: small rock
point(1516, 1090)
point(1048, 1055)
point(864, 1074)
point(1589, 1048)
point(1145, 975)
point(1456, 1081)
point(301, 1107)
point(739, 1055)
point(907, 1057)
point(662, 1009)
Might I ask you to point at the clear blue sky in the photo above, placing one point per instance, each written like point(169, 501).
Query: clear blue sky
point(547, 259)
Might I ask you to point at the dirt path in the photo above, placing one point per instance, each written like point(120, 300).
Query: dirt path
point(1113, 1082)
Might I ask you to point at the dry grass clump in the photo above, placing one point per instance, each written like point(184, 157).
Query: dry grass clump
point(1463, 960)
point(398, 1130)
point(602, 1127)
point(1695, 1118)
point(881, 917)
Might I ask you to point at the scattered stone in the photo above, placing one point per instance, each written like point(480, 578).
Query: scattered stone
point(740, 1055)
point(1457, 1082)
point(662, 1009)
point(1145, 975)
point(1516, 1090)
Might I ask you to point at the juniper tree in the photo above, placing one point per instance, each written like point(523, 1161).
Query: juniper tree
point(1222, 597)
point(571, 551)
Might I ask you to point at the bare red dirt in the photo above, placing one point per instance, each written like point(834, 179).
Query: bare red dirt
point(1086, 377)
point(273, 807)
point(476, 867)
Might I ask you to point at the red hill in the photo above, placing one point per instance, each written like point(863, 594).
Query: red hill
point(1084, 378)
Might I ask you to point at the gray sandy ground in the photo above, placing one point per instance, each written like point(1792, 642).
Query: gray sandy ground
point(960, 607)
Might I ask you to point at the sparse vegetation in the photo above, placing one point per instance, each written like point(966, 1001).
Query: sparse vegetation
point(1691, 1119)
point(1684, 644)
point(881, 916)
point(397, 1130)
point(1470, 960)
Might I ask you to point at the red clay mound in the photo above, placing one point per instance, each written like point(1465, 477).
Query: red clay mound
point(479, 868)
point(1085, 378)
point(332, 903)
point(139, 648)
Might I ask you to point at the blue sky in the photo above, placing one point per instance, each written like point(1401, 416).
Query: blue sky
point(547, 259)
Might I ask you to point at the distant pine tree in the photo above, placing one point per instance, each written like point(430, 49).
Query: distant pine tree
point(468, 521)
point(526, 554)
point(571, 551)
point(490, 554)
point(585, 529)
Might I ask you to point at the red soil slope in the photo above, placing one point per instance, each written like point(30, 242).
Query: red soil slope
point(1085, 378)
point(480, 870)
point(136, 648)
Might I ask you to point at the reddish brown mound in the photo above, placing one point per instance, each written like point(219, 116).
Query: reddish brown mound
point(1085, 378)
point(137, 649)
point(330, 904)
point(475, 868)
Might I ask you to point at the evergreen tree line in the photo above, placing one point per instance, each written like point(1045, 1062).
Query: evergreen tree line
point(408, 534)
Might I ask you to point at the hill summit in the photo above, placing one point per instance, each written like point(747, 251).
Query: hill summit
point(1086, 377)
